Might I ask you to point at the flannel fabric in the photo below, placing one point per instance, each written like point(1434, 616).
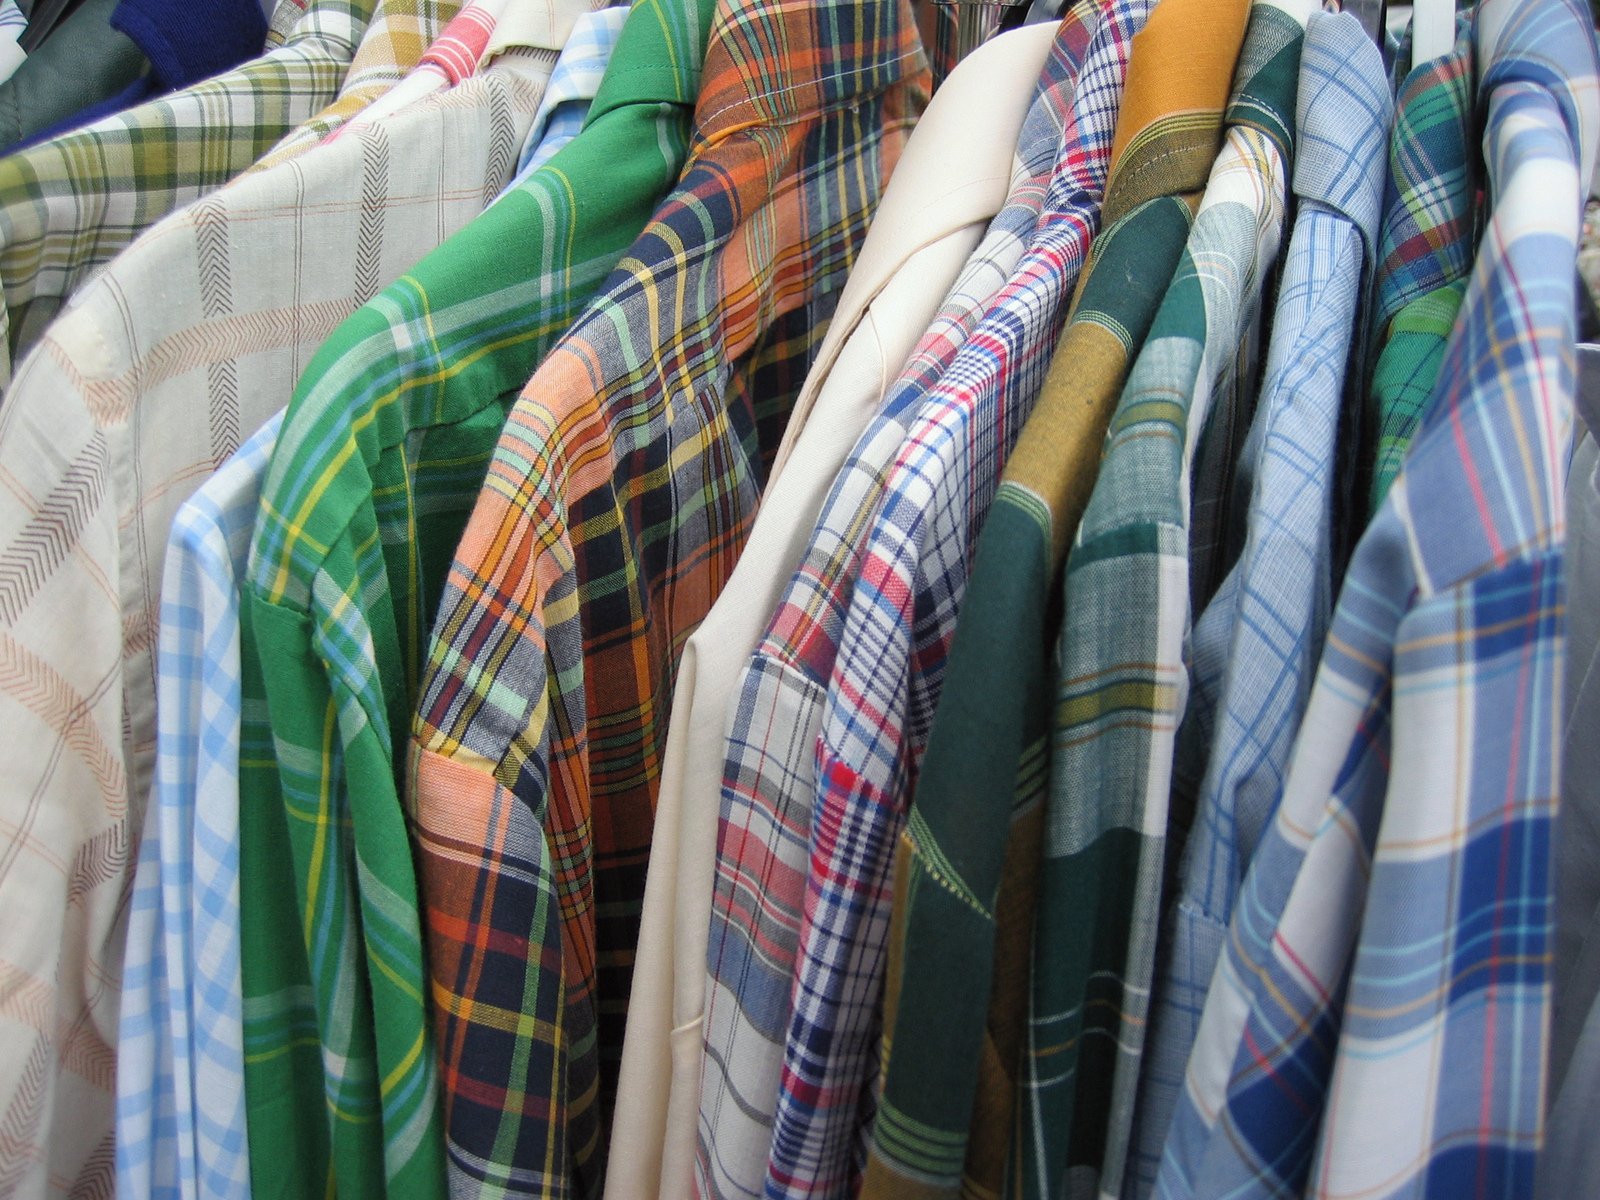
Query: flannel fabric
point(393, 426)
point(1403, 379)
point(913, 554)
point(934, 213)
point(764, 818)
point(181, 1127)
point(1119, 660)
point(616, 504)
point(162, 365)
point(1378, 1021)
point(956, 994)
point(1427, 246)
point(573, 86)
point(1255, 647)
point(391, 46)
point(70, 205)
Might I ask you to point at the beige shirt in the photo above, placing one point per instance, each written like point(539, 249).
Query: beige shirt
point(951, 180)
point(149, 379)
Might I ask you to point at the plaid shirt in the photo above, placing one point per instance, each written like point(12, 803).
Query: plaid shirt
point(433, 363)
point(70, 205)
point(764, 824)
point(181, 1127)
point(913, 554)
point(1426, 248)
point(573, 86)
point(617, 502)
point(400, 32)
point(1255, 647)
point(955, 1023)
point(123, 410)
point(1378, 1022)
point(1119, 661)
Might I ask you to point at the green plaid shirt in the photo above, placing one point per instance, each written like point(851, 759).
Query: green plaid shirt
point(383, 453)
point(71, 204)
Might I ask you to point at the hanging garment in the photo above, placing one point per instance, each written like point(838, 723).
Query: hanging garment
point(178, 44)
point(181, 347)
point(952, 178)
point(956, 997)
point(567, 101)
point(774, 716)
point(1571, 1154)
point(1119, 660)
point(391, 46)
point(377, 471)
point(1427, 250)
point(1255, 648)
point(618, 500)
point(1377, 1023)
point(70, 205)
point(88, 63)
point(180, 1123)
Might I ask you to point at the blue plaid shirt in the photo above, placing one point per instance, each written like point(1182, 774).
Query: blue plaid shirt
point(1377, 1024)
point(180, 1051)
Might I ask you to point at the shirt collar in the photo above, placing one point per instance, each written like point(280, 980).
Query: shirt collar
point(579, 70)
point(1343, 114)
point(1182, 65)
point(187, 42)
point(1268, 75)
point(772, 62)
point(658, 57)
point(1549, 44)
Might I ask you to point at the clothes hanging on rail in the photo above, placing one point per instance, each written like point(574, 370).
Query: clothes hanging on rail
point(797, 598)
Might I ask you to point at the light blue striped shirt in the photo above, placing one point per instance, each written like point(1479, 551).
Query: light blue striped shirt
point(572, 87)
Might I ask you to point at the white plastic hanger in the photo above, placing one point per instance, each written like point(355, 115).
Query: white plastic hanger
point(1433, 29)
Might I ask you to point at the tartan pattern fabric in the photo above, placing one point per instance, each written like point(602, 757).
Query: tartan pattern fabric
point(963, 906)
point(573, 86)
point(393, 43)
point(913, 553)
point(150, 380)
point(615, 506)
point(1255, 647)
point(1402, 381)
point(181, 1127)
point(1427, 237)
point(764, 820)
point(1119, 660)
point(431, 365)
point(1378, 1022)
point(71, 204)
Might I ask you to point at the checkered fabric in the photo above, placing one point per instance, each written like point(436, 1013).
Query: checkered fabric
point(764, 823)
point(400, 32)
point(390, 433)
point(1255, 648)
point(956, 994)
point(573, 86)
point(913, 554)
point(181, 1128)
point(70, 205)
point(616, 504)
point(176, 351)
point(1119, 660)
point(1378, 1021)
point(1427, 247)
